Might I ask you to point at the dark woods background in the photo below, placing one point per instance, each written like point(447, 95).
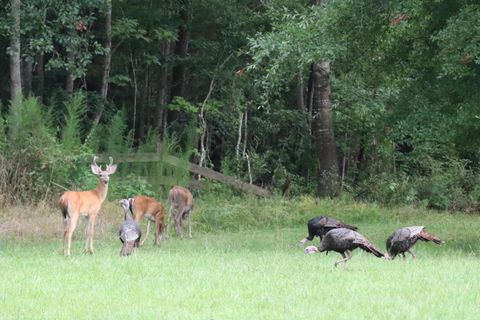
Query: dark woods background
point(372, 100)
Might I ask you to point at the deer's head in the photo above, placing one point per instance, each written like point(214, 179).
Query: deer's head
point(103, 175)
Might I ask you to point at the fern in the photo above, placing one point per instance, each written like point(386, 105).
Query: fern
point(72, 131)
point(115, 142)
point(27, 120)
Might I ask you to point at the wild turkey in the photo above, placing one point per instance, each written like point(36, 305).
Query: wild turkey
point(130, 232)
point(343, 240)
point(320, 225)
point(404, 239)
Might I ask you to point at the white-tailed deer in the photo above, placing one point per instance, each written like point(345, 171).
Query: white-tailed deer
point(143, 206)
point(85, 203)
point(181, 201)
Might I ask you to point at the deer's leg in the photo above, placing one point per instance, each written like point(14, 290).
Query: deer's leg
point(162, 230)
point(86, 228)
point(91, 227)
point(158, 229)
point(178, 223)
point(148, 230)
point(69, 232)
point(66, 224)
point(171, 218)
point(190, 223)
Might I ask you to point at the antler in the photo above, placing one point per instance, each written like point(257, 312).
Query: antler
point(111, 167)
point(95, 168)
point(95, 160)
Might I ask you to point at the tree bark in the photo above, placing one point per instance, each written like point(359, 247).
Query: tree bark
point(70, 82)
point(27, 69)
point(323, 130)
point(107, 60)
point(299, 93)
point(40, 75)
point(239, 139)
point(142, 119)
point(15, 64)
point(161, 100)
point(181, 49)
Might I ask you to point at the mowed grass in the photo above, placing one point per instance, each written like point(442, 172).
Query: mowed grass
point(253, 272)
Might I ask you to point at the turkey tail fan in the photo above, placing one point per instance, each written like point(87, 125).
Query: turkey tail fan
point(425, 236)
point(127, 248)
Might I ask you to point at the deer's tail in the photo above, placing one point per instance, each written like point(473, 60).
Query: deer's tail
point(64, 205)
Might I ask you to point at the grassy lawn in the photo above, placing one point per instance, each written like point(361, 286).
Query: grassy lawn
point(252, 272)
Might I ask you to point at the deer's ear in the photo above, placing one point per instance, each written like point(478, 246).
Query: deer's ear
point(96, 169)
point(111, 169)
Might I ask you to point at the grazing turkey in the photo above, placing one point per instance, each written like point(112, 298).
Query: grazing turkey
point(343, 241)
point(404, 239)
point(320, 225)
point(130, 232)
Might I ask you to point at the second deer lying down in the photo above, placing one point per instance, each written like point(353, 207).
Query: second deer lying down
point(143, 206)
point(181, 206)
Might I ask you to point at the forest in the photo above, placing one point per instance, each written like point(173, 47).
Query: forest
point(246, 135)
point(370, 100)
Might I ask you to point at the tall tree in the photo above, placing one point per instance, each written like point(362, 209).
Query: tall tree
point(15, 61)
point(181, 49)
point(324, 132)
point(107, 58)
point(326, 148)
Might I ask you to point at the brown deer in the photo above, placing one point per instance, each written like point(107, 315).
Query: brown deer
point(85, 203)
point(181, 201)
point(143, 206)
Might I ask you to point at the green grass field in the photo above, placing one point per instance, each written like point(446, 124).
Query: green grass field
point(251, 271)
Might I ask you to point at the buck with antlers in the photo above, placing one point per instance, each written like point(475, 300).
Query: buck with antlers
point(85, 203)
point(181, 201)
point(143, 206)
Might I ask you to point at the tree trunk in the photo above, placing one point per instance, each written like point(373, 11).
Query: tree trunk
point(239, 139)
point(135, 91)
point(26, 77)
point(181, 49)
point(15, 64)
point(161, 100)
point(107, 60)
point(142, 120)
point(299, 93)
point(323, 130)
point(40, 72)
